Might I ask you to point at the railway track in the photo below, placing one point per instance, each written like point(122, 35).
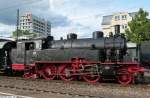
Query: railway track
point(78, 82)
point(48, 91)
point(8, 86)
point(80, 89)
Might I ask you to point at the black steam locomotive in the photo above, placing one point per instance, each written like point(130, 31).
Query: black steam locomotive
point(92, 59)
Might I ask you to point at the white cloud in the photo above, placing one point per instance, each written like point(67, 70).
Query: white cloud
point(6, 30)
point(67, 16)
point(81, 23)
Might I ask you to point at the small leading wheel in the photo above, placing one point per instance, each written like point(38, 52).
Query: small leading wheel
point(91, 75)
point(27, 75)
point(49, 73)
point(66, 73)
point(30, 75)
point(125, 78)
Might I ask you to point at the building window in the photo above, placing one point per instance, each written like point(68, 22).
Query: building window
point(124, 26)
point(124, 17)
point(117, 17)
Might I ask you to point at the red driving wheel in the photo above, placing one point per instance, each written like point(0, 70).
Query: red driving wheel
point(125, 78)
point(49, 72)
point(66, 72)
point(90, 76)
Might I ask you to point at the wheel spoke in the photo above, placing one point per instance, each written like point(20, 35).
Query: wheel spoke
point(125, 78)
point(65, 73)
point(49, 73)
point(90, 77)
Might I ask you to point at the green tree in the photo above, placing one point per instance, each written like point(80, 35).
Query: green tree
point(139, 28)
point(20, 33)
point(23, 33)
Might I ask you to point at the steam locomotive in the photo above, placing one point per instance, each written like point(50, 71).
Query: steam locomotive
point(91, 59)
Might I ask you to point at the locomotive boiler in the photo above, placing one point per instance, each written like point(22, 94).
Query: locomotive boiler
point(97, 48)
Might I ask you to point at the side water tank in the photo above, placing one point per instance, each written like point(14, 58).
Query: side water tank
point(98, 34)
point(71, 36)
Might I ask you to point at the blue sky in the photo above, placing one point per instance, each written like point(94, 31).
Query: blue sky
point(67, 16)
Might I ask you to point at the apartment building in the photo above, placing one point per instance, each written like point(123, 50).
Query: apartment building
point(116, 23)
point(34, 24)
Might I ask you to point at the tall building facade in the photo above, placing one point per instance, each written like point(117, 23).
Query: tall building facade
point(34, 24)
point(116, 23)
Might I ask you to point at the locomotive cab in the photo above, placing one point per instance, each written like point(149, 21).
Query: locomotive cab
point(22, 55)
point(5, 52)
